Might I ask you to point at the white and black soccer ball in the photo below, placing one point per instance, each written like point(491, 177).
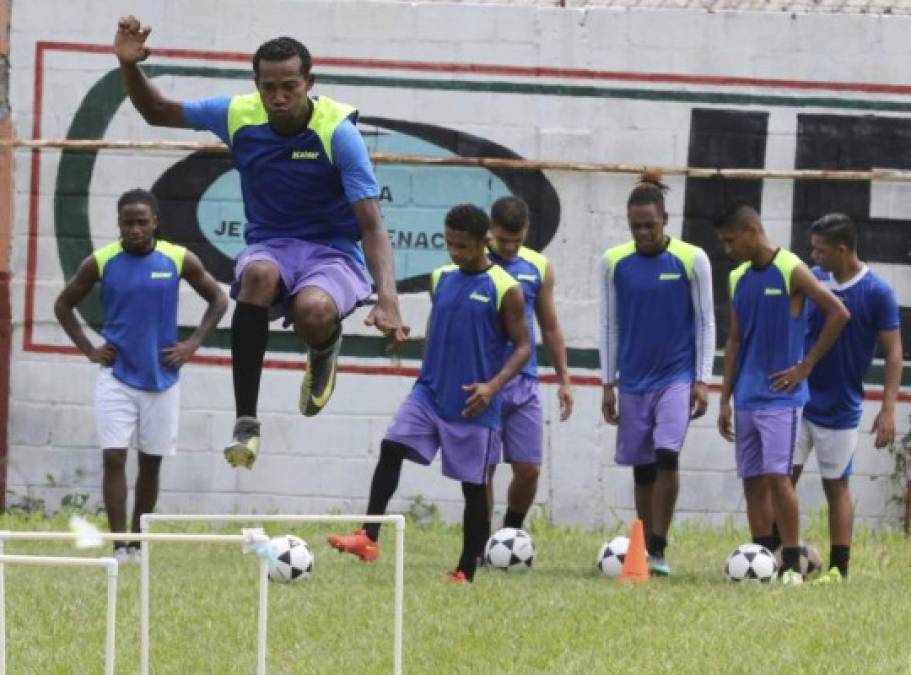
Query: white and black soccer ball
point(751, 562)
point(510, 549)
point(810, 560)
point(291, 559)
point(611, 556)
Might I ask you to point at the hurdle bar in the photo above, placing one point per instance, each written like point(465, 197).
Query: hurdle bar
point(111, 620)
point(143, 538)
point(146, 520)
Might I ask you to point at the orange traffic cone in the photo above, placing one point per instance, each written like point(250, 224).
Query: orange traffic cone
point(635, 565)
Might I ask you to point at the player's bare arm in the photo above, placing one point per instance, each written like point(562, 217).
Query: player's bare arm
point(131, 50)
point(208, 289)
point(512, 312)
point(72, 294)
point(552, 337)
point(804, 283)
point(385, 315)
point(731, 348)
point(890, 344)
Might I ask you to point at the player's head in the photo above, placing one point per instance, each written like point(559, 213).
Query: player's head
point(646, 213)
point(281, 70)
point(466, 236)
point(508, 225)
point(833, 239)
point(137, 218)
point(739, 230)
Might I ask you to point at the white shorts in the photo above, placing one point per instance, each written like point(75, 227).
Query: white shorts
point(124, 414)
point(834, 449)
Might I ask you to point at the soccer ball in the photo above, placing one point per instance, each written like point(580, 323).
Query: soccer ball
point(751, 562)
point(611, 556)
point(510, 549)
point(291, 559)
point(810, 561)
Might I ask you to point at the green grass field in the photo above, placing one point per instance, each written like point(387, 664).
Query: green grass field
point(562, 617)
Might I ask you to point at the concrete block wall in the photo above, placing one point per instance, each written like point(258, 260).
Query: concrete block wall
point(592, 85)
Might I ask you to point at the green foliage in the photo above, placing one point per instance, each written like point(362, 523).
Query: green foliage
point(562, 617)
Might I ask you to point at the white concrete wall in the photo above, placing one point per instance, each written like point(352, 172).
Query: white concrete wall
point(325, 463)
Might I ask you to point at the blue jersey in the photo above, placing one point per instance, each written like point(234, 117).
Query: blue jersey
point(655, 317)
point(467, 343)
point(139, 299)
point(299, 187)
point(528, 267)
point(771, 337)
point(837, 381)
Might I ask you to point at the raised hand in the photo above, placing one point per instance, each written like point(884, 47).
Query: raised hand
point(130, 41)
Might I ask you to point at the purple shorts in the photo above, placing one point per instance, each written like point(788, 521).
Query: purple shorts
point(466, 447)
point(656, 420)
point(523, 422)
point(765, 440)
point(305, 263)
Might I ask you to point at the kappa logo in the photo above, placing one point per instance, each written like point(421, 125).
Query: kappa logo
point(161, 275)
point(526, 277)
point(773, 291)
point(669, 276)
point(304, 154)
point(480, 298)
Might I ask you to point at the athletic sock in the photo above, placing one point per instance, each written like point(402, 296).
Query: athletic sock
point(513, 519)
point(385, 482)
point(790, 558)
point(655, 545)
point(249, 336)
point(768, 541)
point(839, 556)
point(475, 527)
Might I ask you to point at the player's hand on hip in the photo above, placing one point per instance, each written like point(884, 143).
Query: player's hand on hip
point(130, 41)
point(480, 397)
point(609, 405)
point(787, 380)
point(699, 400)
point(174, 357)
point(884, 428)
point(103, 355)
point(565, 396)
point(725, 422)
point(385, 317)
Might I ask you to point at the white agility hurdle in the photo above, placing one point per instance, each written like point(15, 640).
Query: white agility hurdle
point(108, 563)
point(149, 518)
point(145, 537)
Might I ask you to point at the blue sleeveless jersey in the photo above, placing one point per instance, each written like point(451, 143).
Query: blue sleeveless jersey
point(837, 381)
point(466, 343)
point(655, 316)
point(139, 299)
point(771, 338)
point(528, 267)
point(293, 186)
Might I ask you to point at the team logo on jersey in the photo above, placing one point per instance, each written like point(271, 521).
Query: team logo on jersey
point(773, 291)
point(480, 298)
point(161, 275)
point(526, 277)
point(304, 154)
point(669, 276)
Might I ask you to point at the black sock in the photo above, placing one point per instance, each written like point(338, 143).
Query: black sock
point(768, 541)
point(790, 558)
point(385, 481)
point(655, 545)
point(839, 557)
point(475, 527)
point(776, 538)
point(249, 336)
point(513, 519)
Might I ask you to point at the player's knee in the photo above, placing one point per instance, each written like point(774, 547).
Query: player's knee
point(666, 460)
point(645, 474)
point(114, 459)
point(836, 488)
point(149, 464)
point(258, 278)
point(526, 473)
point(315, 310)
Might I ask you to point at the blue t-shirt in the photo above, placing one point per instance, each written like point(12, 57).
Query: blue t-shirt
point(655, 315)
point(466, 343)
point(139, 299)
point(302, 186)
point(528, 267)
point(771, 337)
point(837, 381)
